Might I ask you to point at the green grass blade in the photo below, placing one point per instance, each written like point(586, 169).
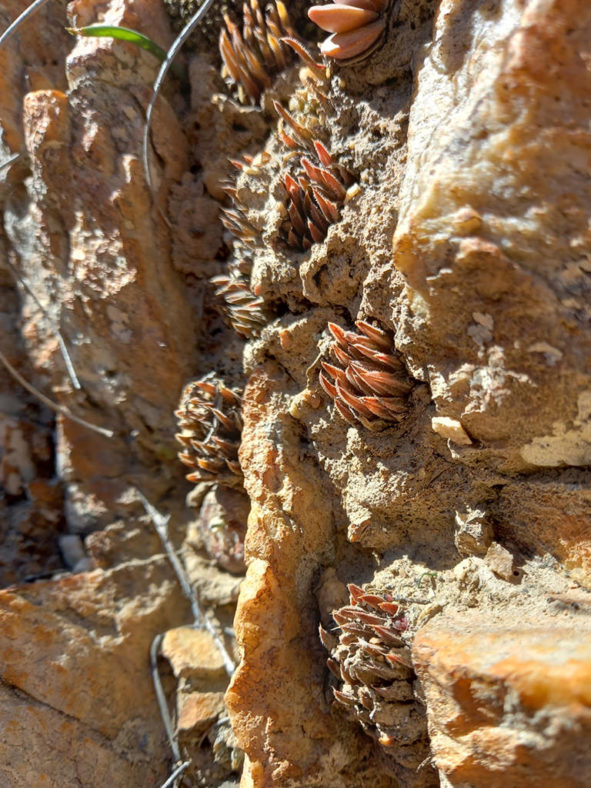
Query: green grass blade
point(125, 34)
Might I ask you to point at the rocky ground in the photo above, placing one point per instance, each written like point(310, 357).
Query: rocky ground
point(438, 529)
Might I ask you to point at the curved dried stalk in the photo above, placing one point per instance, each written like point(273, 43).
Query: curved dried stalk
point(61, 409)
point(164, 68)
point(200, 619)
point(10, 160)
point(62, 343)
point(14, 26)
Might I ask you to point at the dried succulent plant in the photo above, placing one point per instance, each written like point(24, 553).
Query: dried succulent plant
point(245, 311)
point(210, 428)
point(357, 27)
point(372, 665)
point(254, 55)
point(236, 221)
point(371, 385)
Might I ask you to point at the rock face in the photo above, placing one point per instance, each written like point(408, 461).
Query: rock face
point(76, 687)
point(508, 705)
point(436, 190)
point(487, 296)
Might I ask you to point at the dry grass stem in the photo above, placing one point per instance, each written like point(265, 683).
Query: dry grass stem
point(61, 409)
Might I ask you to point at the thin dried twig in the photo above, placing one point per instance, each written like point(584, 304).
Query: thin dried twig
point(171, 54)
point(63, 348)
point(161, 697)
point(201, 621)
point(62, 409)
point(177, 772)
point(13, 27)
point(10, 161)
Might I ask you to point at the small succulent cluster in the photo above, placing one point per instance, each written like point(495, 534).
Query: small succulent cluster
point(315, 184)
point(371, 385)
point(372, 665)
point(235, 219)
point(316, 191)
point(253, 55)
point(245, 311)
point(357, 27)
point(210, 428)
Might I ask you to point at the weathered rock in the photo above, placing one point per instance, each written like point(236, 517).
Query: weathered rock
point(508, 705)
point(110, 286)
point(72, 549)
point(474, 532)
point(59, 750)
point(198, 710)
point(500, 560)
point(487, 299)
point(492, 245)
point(75, 652)
point(221, 527)
point(193, 654)
point(31, 497)
point(280, 677)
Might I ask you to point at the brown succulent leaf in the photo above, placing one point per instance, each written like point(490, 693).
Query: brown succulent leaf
point(245, 311)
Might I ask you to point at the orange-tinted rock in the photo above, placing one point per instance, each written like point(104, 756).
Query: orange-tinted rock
point(193, 654)
point(40, 746)
point(508, 705)
point(198, 710)
point(98, 256)
point(74, 652)
point(276, 699)
point(550, 517)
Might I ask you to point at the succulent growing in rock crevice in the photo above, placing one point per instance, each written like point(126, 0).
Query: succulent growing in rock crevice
point(235, 219)
point(245, 311)
point(371, 384)
point(315, 184)
point(316, 191)
point(357, 27)
point(210, 428)
point(371, 662)
point(254, 54)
